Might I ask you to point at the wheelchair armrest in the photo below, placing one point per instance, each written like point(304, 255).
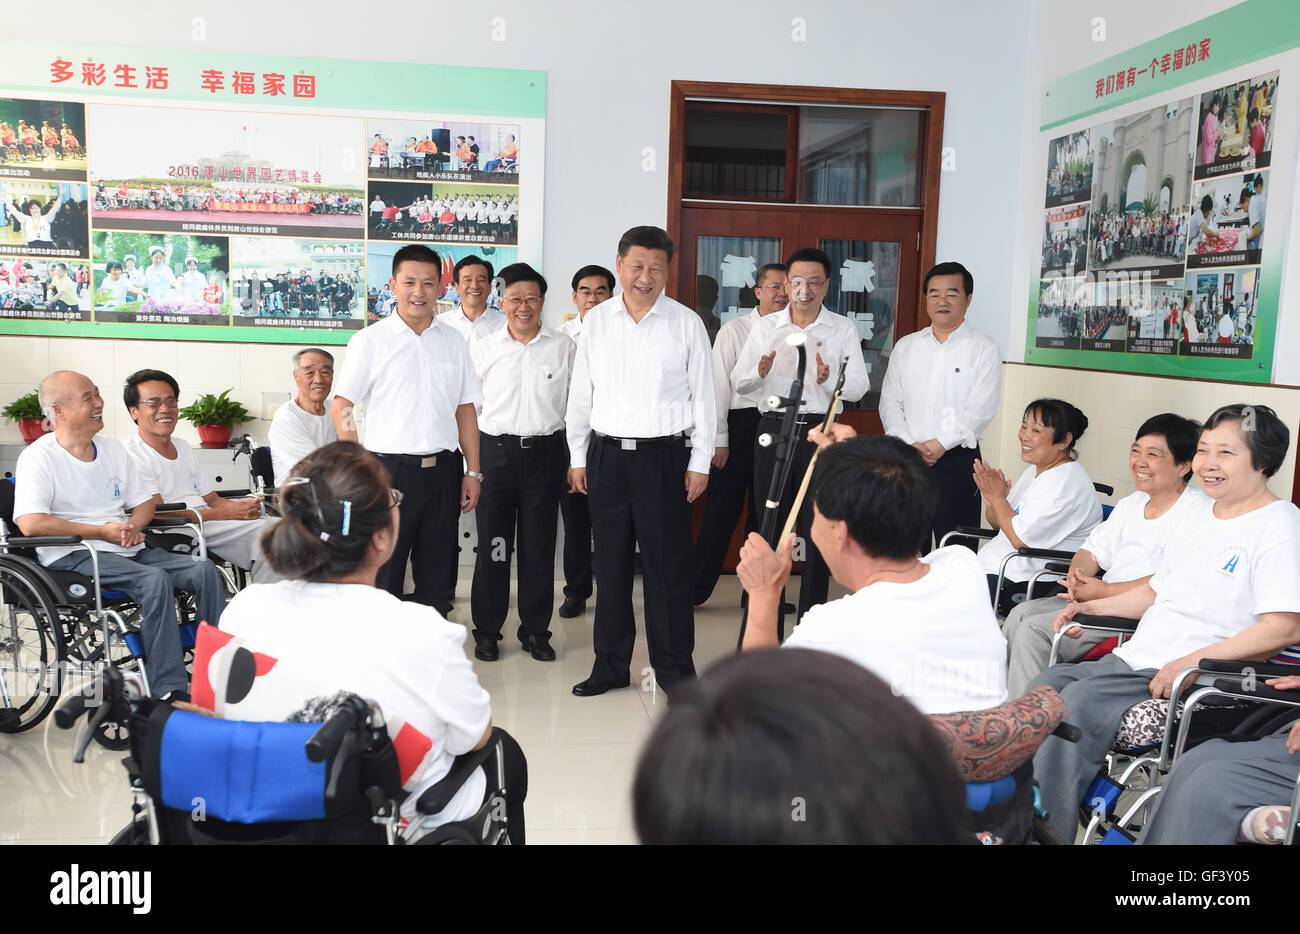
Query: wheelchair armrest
point(975, 531)
point(230, 494)
point(169, 522)
point(1261, 691)
point(171, 507)
point(1027, 552)
point(38, 541)
point(1224, 666)
point(436, 797)
point(1113, 623)
point(1057, 568)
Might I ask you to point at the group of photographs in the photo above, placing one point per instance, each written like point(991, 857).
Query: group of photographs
point(1153, 228)
point(155, 215)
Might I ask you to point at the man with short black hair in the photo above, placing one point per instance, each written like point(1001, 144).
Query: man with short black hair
point(766, 367)
point(923, 624)
point(591, 285)
point(524, 368)
point(232, 528)
point(731, 482)
point(472, 319)
point(642, 392)
point(417, 385)
point(941, 390)
point(303, 424)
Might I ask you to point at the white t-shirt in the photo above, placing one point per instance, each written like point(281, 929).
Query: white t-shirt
point(295, 433)
point(935, 640)
point(176, 481)
point(1056, 510)
point(1128, 545)
point(53, 482)
point(1216, 578)
point(402, 655)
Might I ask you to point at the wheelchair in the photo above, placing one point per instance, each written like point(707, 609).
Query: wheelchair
point(197, 779)
point(59, 627)
point(1058, 561)
point(1116, 804)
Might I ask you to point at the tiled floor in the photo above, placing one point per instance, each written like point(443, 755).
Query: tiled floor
point(582, 752)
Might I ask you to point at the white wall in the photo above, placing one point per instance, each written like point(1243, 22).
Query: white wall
point(608, 71)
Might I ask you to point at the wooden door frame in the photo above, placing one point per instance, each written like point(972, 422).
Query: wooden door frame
point(932, 102)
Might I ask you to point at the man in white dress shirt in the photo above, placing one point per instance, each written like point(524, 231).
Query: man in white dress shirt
point(942, 388)
point(525, 370)
point(232, 528)
point(472, 319)
point(417, 386)
point(766, 367)
point(731, 482)
point(591, 286)
point(642, 389)
point(303, 424)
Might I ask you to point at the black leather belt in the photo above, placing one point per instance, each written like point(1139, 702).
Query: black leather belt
point(526, 441)
point(631, 444)
point(417, 460)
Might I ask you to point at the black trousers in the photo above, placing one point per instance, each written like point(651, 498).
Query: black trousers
point(453, 569)
point(577, 542)
point(815, 578)
point(640, 497)
point(959, 498)
point(430, 515)
point(520, 495)
point(728, 492)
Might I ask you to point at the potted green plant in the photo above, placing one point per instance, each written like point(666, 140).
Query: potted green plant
point(215, 416)
point(26, 411)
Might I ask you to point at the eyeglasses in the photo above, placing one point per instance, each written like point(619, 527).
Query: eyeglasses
point(169, 401)
point(532, 301)
point(774, 287)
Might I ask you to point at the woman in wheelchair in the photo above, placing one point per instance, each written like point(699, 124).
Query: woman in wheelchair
point(1052, 505)
point(339, 526)
point(1128, 544)
point(1226, 587)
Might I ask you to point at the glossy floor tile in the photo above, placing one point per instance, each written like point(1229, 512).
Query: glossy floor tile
point(582, 751)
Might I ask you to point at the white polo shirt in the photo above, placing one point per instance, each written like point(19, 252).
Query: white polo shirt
point(525, 386)
point(52, 482)
point(949, 391)
point(1128, 545)
point(935, 641)
point(409, 384)
point(1054, 510)
point(1216, 578)
point(178, 480)
point(830, 335)
point(490, 321)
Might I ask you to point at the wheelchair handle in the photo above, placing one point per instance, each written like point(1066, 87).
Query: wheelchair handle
point(67, 713)
point(327, 740)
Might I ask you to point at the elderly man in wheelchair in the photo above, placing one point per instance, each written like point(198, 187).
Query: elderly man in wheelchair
point(230, 529)
point(1225, 589)
point(79, 501)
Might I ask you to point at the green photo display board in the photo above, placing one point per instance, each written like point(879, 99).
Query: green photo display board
point(199, 196)
point(1161, 244)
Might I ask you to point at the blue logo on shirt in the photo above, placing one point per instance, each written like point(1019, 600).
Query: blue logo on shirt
point(1228, 560)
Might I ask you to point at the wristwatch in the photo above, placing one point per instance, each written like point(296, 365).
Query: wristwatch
point(475, 474)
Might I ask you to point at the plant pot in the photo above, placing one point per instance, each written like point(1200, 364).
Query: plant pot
point(214, 436)
point(32, 428)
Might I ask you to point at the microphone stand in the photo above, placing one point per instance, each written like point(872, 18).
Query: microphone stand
point(783, 445)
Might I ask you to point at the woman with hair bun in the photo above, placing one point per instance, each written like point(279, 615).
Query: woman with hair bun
point(339, 526)
point(1052, 505)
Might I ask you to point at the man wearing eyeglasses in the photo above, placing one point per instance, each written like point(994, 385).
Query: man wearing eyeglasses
point(941, 390)
point(591, 286)
point(731, 482)
point(232, 528)
point(525, 369)
point(766, 367)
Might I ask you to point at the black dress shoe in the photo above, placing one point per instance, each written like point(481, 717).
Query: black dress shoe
point(572, 607)
point(485, 648)
point(593, 686)
point(539, 647)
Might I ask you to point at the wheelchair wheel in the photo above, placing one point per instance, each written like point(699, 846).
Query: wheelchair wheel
point(31, 657)
point(135, 833)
